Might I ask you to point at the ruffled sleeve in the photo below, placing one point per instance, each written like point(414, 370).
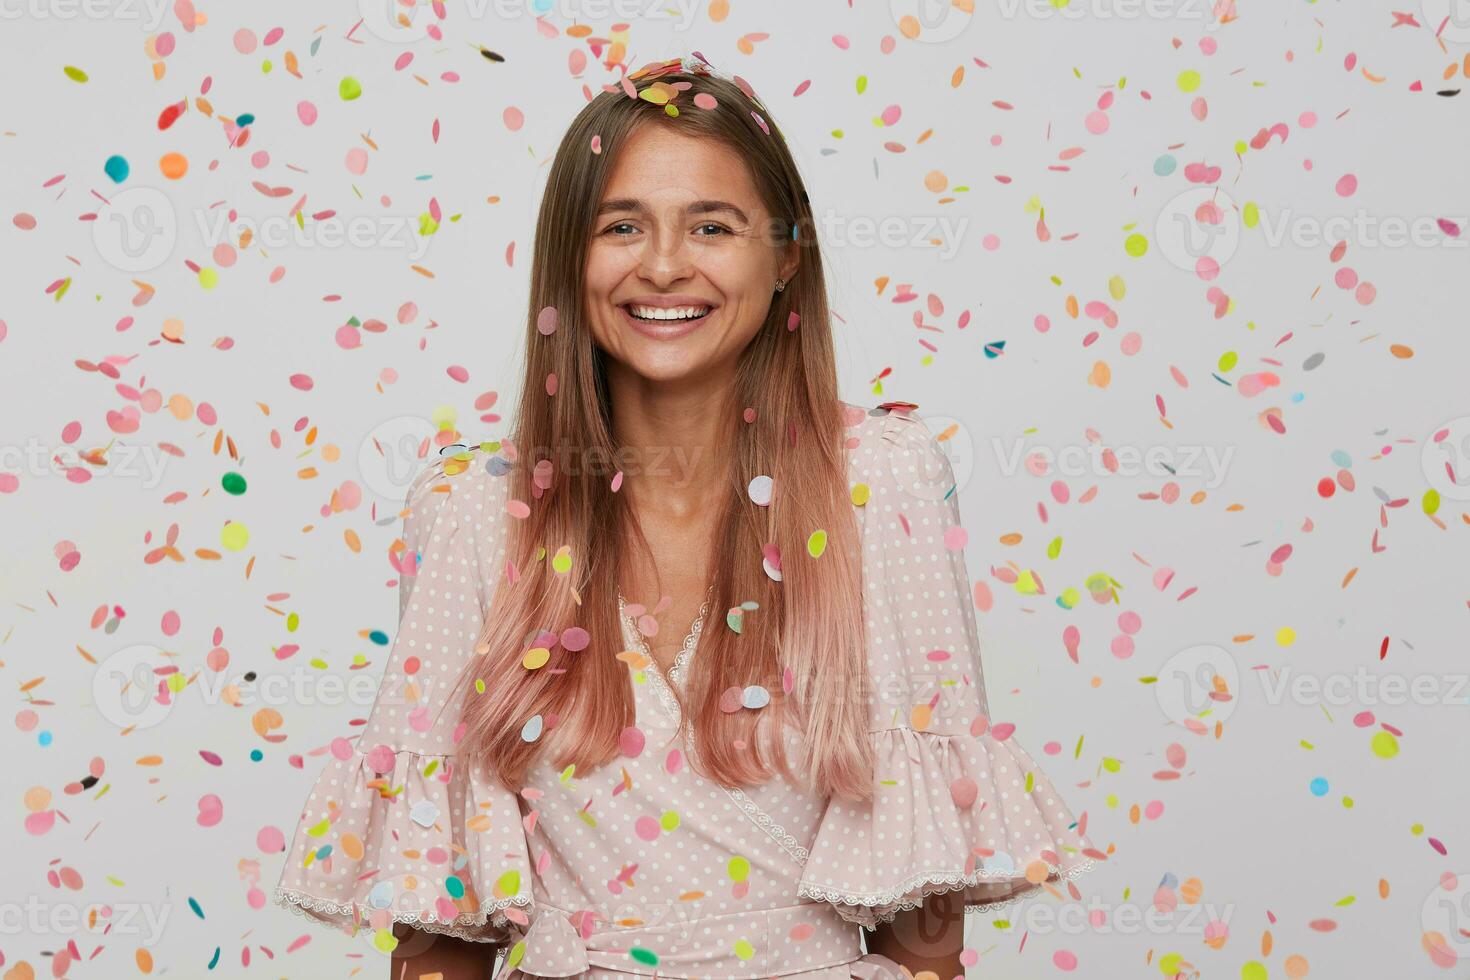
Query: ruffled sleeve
point(397, 827)
point(957, 804)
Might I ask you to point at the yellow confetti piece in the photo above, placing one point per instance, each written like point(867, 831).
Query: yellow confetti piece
point(738, 868)
point(516, 954)
point(816, 544)
point(1385, 746)
point(234, 536)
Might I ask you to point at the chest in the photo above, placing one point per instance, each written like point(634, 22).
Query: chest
point(672, 591)
point(668, 629)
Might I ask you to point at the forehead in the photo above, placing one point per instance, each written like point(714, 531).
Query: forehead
point(658, 163)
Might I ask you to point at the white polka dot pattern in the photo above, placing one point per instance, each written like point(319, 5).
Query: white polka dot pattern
point(396, 828)
point(642, 866)
point(954, 806)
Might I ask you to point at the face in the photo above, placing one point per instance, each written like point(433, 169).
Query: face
point(682, 264)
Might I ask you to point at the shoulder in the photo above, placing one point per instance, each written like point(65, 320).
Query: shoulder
point(468, 489)
point(891, 445)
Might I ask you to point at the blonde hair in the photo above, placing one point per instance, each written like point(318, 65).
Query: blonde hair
point(806, 641)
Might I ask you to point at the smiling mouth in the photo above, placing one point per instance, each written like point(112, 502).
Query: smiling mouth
point(659, 314)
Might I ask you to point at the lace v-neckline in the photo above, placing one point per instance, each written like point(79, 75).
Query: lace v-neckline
point(686, 650)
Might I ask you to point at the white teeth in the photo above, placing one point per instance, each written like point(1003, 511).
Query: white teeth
point(667, 313)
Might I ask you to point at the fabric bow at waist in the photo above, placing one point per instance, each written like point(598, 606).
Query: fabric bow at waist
point(743, 945)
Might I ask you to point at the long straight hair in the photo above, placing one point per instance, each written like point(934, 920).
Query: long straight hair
point(805, 640)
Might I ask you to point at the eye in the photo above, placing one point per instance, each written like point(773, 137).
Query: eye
point(612, 228)
point(719, 229)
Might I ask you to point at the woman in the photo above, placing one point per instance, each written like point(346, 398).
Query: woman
point(550, 768)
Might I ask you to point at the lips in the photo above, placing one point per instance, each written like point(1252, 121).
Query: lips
point(666, 322)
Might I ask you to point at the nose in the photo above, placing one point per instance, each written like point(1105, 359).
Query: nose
point(666, 258)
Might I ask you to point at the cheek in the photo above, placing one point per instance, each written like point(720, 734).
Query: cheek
point(742, 274)
point(602, 272)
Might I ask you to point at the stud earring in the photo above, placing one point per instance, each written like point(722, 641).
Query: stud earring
point(780, 284)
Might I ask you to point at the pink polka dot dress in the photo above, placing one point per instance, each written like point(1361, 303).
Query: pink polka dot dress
point(643, 867)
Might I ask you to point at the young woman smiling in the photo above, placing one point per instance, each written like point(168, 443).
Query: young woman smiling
point(687, 677)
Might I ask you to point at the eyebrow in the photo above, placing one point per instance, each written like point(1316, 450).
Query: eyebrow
point(697, 207)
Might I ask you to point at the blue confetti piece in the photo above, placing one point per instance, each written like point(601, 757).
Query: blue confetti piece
point(117, 168)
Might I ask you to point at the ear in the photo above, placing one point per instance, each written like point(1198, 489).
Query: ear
point(789, 260)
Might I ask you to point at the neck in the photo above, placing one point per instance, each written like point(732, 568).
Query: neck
point(674, 435)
